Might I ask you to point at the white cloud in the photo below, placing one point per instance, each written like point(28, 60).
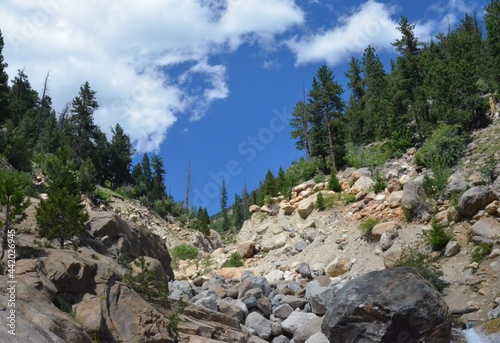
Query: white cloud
point(452, 11)
point(371, 24)
point(127, 50)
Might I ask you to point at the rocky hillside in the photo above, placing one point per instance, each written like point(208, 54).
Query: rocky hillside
point(309, 275)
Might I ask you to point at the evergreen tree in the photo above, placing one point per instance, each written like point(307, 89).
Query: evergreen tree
point(22, 98)
point(300, 127)
point(87, 177)
point(101, 157)
point(13, 202)
point(492, 23)
point(120, 156)
point(354, 110)
point(4, 85)
point(147, 176)
point(326, 110)
point(83, 128)
point(158, 178)
point(62, 215)
point(50, 135)
point(223, 207)
point(269, 188)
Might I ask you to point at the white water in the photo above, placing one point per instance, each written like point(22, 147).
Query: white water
point(474, 336)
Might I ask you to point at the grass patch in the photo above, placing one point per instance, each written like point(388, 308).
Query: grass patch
point(234, 261)
point(184, 252)
point(366, 227)
point(480, 252)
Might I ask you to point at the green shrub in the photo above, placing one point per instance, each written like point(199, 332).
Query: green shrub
point(435, 185)
point(380, 183)
point(318, 178)
point(320, 202)
point(184, 252)
point(438, 236)
point(333, 183)
point(373, 155)
point(422, 263)
point(443, 148)
point(480, 251)
point(339, 199)
point(234, 261)
point(366, 227)
point(303, 170)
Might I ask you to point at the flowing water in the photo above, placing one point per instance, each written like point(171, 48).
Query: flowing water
point(474, 336)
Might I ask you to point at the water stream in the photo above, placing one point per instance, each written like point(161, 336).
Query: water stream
point(474, 336)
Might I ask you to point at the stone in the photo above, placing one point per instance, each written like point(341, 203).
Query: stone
point(318, 337)
point(275, 242)
point(338, 267)
point(495, 187)
point(379, 306)
point(300, 245)
point(456, 185)
point(246, 249)
point(391, 257)
point(153, 264)
point(231, 272)
point(477, 179)
point(488, 228)
point(475, 199)
point(271, 210)
point(294, 301)
point(388, 238)
point(296, 320)
point(280, 339)
point(259, 324)
point(304, 270)
point(359, 173)
point(391, 174)
point(288, 209)
point(234, 308)
point(364, 183)
point(492, 208)
point(395, 198)
point(282, 311)
point(264, 306)
point(254, 282)
point(379, 229)
point(411, 200)
point(494, 314)
point(307, 330)
point(253, 209)
point(393, 185)
point(451, 249)
point(305, 207)
point(320, 298)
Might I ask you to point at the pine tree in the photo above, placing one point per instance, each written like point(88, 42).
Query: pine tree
point(492, 22)
point(22, 98)
point(333, 183)
point(87, 177)
point(13, 202)
point(147, 176)
point(83, 128)
point(4, 85)
point(355, 109)
point(326, 109)
point(120, 156)
point(101, 157)
point(300, 125)
point(158, 179)
point(223, 207)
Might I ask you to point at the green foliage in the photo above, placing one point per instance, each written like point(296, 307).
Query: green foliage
point(339, 199)
point(202, 222)
point(303, 170)
point(480, 252)
point(87, 177)
point(489, 169)
point(366, 227)
point(318, 178)
point(443, 148)
point(380, 184)
point(145, 283)
point(438, 236)
point(123, 260)
point(370, 156)
point(13, 201)
point(175, 317)
point(184, 252)
point(234, 261)
point(434, 185)
point(320, 202)
point(64, 306)
point(333, 183)
point(414, 257)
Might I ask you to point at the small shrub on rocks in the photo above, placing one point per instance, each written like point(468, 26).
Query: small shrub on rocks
point(366, 227)
point(234, 261)
point(480, 252)
point(438, 236)
point(184, 252)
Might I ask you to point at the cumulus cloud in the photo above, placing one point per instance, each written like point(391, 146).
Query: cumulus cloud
point(142, 58)
point(371, 24)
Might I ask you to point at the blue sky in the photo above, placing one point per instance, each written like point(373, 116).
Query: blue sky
point(211, 83)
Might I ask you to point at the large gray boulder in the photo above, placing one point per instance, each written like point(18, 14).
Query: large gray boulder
point(487, 228)
point(411, 199)
point(474, 200)
point(259, 324)
point(384, 306)
point(456, 185)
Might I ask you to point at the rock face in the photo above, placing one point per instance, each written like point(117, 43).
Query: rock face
point(382, 306)
point(475, 199)
point(305, 208)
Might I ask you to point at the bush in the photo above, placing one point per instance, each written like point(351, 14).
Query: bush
point(318, 178)
point(333, 183)
point(184, 252)
point(480, 252)
point(234, 261)
point(438, 236)
point(422, 263)
point(435, 185)
point(380, 184)
point(366, 227)
point(443, 148)
point(373, 155)
point(303, 170)
point(320, 202)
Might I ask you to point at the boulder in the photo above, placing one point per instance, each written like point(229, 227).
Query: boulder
point(391, 257)
point(475, 199)
point(451, 249)
point(304, 270)
point(318, 337)
point(300, 245)
point(411, 200)
point(338, 267)
point(388, 238)
point(379, 229)
point(254, 282)
point(233, 308)
point(275, 242)
point(297, 320)
point(303, 333)
point(287, 208)
point(305, 207)
point(294, 301)
point(487, 228)
point(359, 173)
point(152, 264)
point(246, 249)
point(253, 209)
point(456, 185)
point(320, 298)
point(384, 306)
point(259, 324)
point(364, 183)
point(282, 311)
point(395, 199)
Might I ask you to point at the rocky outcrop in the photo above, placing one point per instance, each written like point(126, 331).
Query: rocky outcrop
point(382, 306)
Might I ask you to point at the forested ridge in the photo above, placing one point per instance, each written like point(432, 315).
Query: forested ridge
point(435, 89)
